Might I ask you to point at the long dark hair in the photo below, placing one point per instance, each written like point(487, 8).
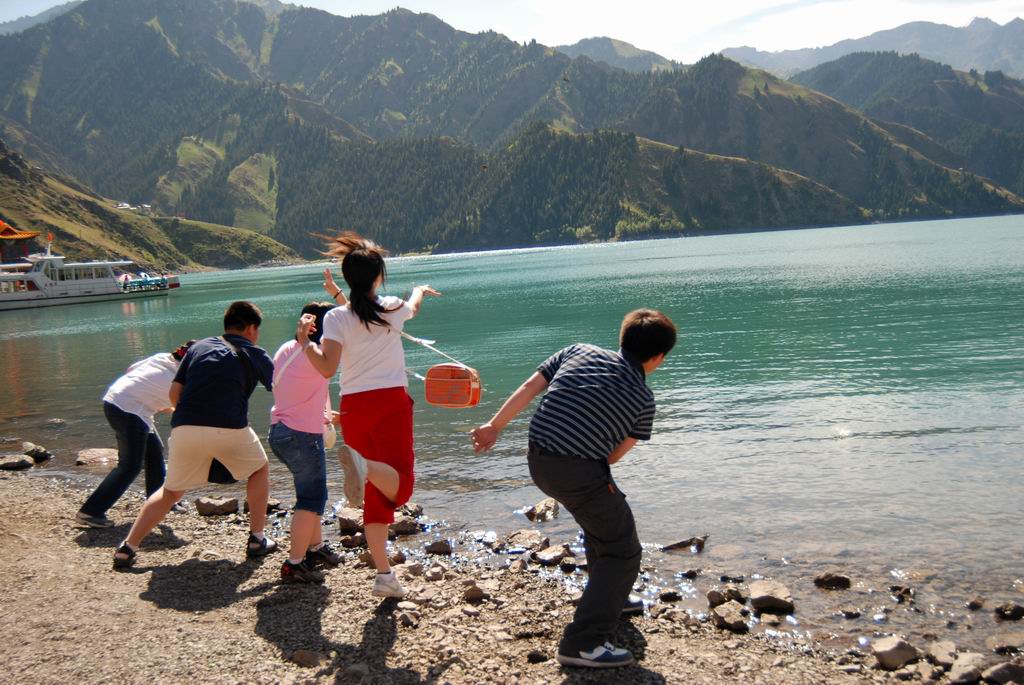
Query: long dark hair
point(362, 261)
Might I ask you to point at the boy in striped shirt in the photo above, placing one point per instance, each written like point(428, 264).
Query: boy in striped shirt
point(597, 406)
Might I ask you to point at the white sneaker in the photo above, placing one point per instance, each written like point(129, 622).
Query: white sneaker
point(602, 656)
point(354, 466)
point(387, 585)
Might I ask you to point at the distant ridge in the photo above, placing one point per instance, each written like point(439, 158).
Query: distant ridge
point(24, 23)
point(618, 53)
point(983, 45)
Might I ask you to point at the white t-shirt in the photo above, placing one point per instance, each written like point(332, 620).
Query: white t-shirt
point(370, 359)
point(144, 389)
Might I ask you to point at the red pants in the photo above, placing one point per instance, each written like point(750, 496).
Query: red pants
point(378, 425)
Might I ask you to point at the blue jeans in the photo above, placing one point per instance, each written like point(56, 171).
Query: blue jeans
point(303, 454)
point(137, 445)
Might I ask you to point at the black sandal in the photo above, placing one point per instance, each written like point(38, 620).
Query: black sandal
point(125, 561)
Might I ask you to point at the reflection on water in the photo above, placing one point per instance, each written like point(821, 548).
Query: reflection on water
point(847, 397)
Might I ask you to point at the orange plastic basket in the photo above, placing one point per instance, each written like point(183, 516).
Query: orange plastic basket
point(453, 386)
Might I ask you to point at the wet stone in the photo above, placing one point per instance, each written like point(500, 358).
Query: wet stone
point(1011, 611)
point(690, 574)
point(850, 612)
point(216, 506)
point(35, 452)
point(670, 596)
point(350, 521)
point(439, 547)
point(404, 525)
point(694, 544)
point(411, 509)
point(967, 668)
point(96, 455)
point(15, 462)
point(832, 581)
point(902, 594)
point(526, 539)
point(550, 556)
point(545, 510)
point(769, 596)
point(976, 603)
point(1006, 643)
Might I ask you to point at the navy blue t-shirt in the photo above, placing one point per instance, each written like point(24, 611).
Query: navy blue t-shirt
point(217, 383)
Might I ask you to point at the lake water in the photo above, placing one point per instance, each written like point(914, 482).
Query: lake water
point(847, 397)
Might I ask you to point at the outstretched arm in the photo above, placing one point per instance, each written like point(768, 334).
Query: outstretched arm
point(486, 435)
point(416, 299)
point(333, 289)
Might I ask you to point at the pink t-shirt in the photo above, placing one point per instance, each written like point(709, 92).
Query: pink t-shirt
point(300, 393)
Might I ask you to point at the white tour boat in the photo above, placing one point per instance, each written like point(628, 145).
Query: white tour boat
point(45, 280)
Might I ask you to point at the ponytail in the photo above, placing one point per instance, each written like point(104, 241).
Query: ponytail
point(362, 262)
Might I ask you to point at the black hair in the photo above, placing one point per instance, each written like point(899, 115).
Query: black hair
point(646, 333)
point(362, 262)
point(240, 315)
point(180, 350)
point(319, 310)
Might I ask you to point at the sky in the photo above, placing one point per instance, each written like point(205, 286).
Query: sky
point(683, 30)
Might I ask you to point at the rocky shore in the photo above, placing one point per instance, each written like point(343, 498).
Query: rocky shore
point(482, 607)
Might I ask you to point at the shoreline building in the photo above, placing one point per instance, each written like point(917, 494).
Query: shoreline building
point(14, 244)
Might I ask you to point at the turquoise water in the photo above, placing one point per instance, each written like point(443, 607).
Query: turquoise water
point(848, 397)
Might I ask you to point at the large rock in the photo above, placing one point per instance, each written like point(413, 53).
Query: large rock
point(216, 506)
point(730, 616)
point(550, 556)
point(439, 547)
point(1011, 611)
point(404, 525)
point(770, 597)
point(35, 452)
point(942, 653)
point(474, 594)
point(350, 521)
point(411, 509)
point(544, 510)
point(967, 668)
point(1003, 674)
point(894, 652)
point(96, 455)
point(15, 462)
point(833, 581)
point(526, 539)
point(1006, 643)
point(729, 593)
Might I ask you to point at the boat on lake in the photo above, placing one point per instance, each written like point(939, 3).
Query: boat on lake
point(47, 280)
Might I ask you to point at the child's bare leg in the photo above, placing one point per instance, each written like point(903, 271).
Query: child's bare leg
point(377, 541)
point(384, 478)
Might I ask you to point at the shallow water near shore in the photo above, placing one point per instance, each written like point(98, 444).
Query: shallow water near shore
point(844, 398)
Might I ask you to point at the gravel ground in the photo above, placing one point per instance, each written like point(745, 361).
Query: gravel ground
point(195, 610)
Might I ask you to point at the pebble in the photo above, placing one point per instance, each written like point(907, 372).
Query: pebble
point(527, 539)
point(1011, 611)
point(850, 612)
point(435, 573)
point(350, 521)
point(272, 505)
point(307, 658)
point(730, 616)
point(966, 669)
point(1004, 673)
point(37, 453)
point(535, 656)
point(404, 525)
point(1006, 643)
point(472, 612)
point(941, 653)
point(670, 596)
point(694, 544)
point(976, 603)
point(397, 558)
point(414, 569)
point(15, 462)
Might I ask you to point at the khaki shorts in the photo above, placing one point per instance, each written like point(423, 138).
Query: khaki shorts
point(193, 448)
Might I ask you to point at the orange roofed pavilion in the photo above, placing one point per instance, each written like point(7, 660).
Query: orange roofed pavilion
point(14, 243)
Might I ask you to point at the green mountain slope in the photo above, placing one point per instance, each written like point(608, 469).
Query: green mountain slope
point(983, 45)
point(87, 226)
point(28, 22)
point(979, 118)
point(236, 116)
point(618, 53)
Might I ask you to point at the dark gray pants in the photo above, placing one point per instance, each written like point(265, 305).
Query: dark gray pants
point(585, 487)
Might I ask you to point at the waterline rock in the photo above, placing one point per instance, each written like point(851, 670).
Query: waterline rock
point(1005, 673)
point(35, 452)
point(694, 544)
point(966, 669)
point(833, 581)
point(769, 596)
point(544, 510)
point(730, 616)
point(1011, 611)
point(1006, 643)
point(894, 652)
point(941, 653)
point(15, 462)
point(96, 455)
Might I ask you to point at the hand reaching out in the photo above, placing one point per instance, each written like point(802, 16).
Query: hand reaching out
point(484, 437)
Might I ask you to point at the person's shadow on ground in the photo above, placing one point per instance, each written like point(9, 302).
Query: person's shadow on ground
point(200, 585)
point(627, 636)
point(290, 618)
point(162, 537)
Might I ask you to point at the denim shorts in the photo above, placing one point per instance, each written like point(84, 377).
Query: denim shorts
point(303, 454)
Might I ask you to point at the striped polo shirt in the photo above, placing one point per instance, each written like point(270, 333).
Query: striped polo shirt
point(596, 398)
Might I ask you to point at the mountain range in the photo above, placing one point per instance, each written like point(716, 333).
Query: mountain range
point(290, 121)
point(983, 45)
point(619, 53)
